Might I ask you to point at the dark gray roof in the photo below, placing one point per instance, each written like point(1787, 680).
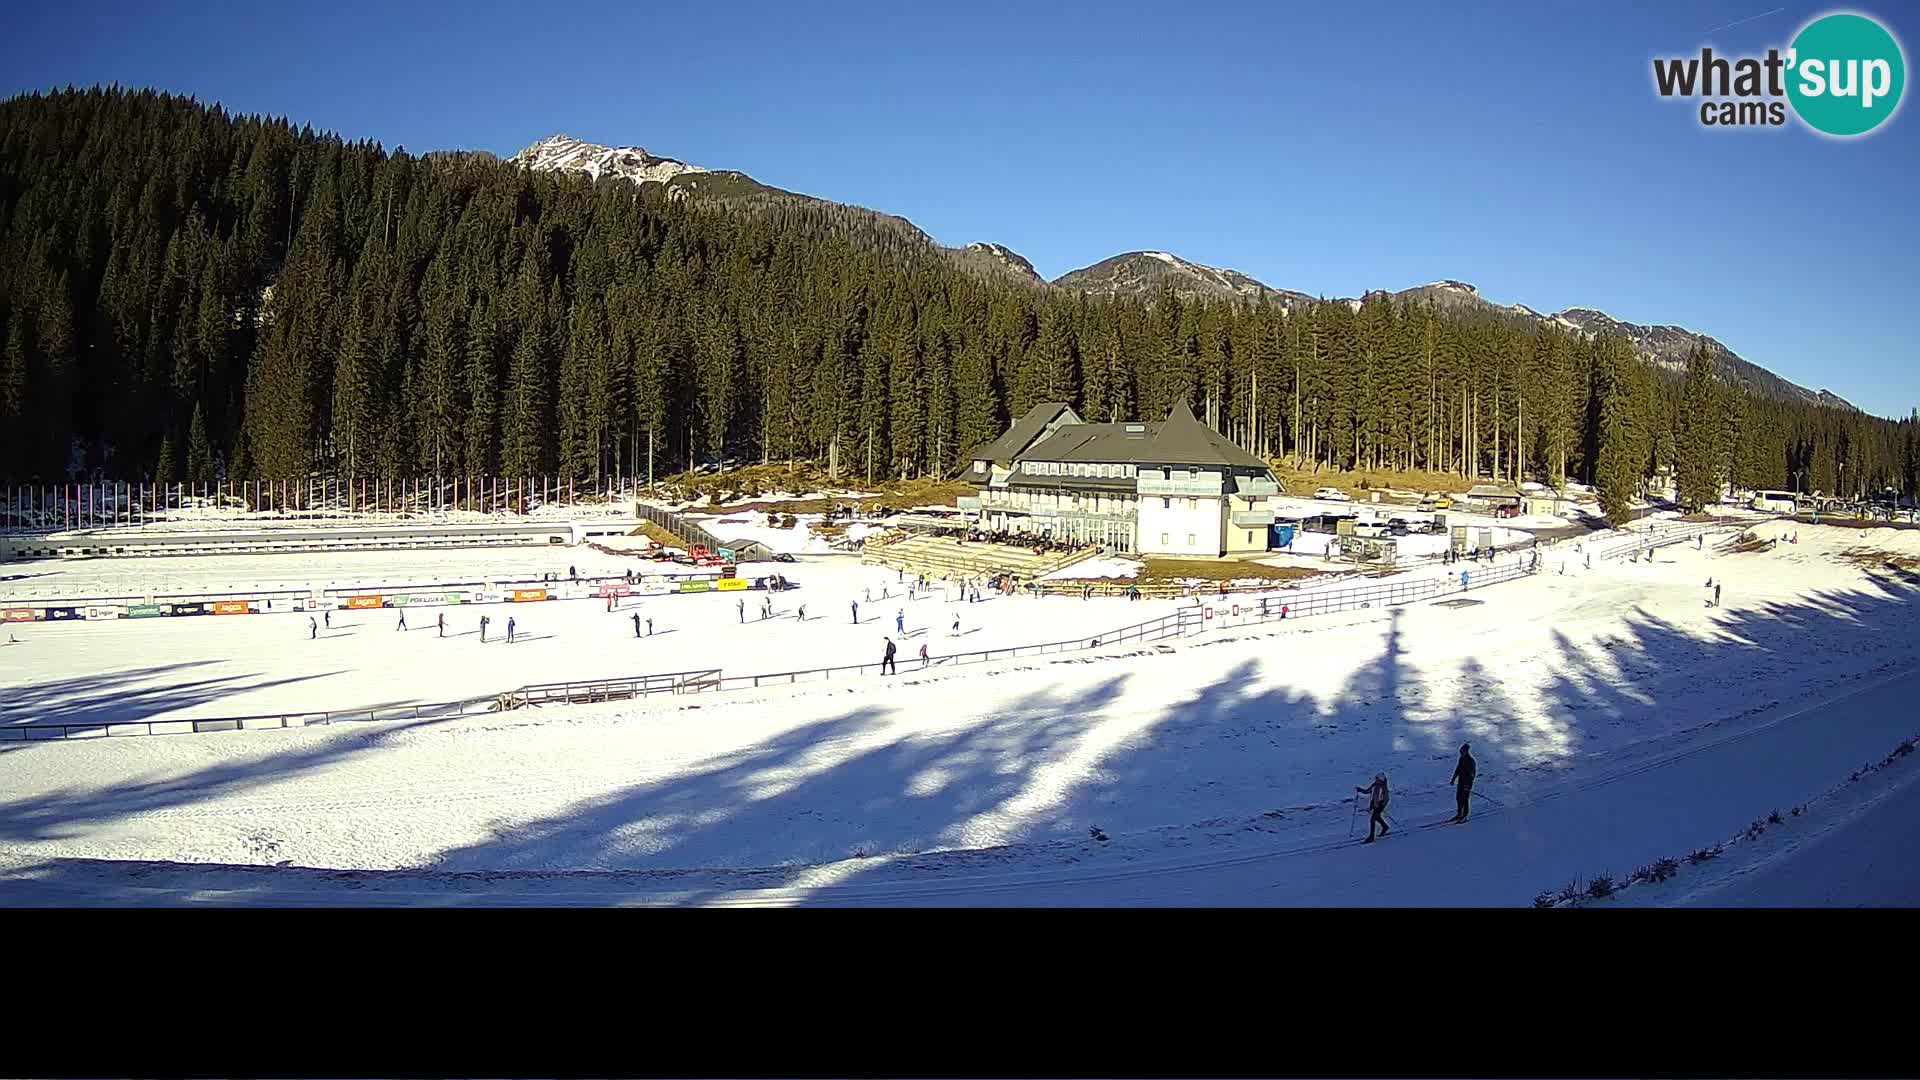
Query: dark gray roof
point(1180, 439)
point(1024, 430)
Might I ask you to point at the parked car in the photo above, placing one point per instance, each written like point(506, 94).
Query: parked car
point(1371, 530)
point(1436, 502)
point(781, 556)
point(1399, 527)
point(1332, 494)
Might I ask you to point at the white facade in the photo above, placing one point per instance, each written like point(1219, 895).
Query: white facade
point(1180, 525)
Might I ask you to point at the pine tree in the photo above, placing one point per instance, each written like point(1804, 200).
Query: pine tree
point(199, 447)
point(1701, 435)
point(1619, 436)
point(164, 470)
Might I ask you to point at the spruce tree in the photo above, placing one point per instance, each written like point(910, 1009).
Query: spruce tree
point(1700, 437)
point(199, 447)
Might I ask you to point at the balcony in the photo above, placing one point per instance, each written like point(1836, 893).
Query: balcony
point(1255, 486)
point(1252, 519)
point(1207, 484)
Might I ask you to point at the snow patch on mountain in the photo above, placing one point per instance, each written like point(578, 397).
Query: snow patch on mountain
point(564, 153)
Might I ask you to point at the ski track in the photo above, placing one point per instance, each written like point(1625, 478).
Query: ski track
point(397, 797)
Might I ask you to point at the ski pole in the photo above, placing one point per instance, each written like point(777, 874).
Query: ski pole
point(1354, 819)
point(1496, 803)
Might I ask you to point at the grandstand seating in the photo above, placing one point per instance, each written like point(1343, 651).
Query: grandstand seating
point(938, 556)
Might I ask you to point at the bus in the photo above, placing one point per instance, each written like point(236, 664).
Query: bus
point(1775, 502)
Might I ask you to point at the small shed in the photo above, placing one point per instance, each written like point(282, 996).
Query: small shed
point(745, 551)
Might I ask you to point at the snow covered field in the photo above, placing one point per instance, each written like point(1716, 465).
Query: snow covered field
point(1617, 718)
point(177, 669)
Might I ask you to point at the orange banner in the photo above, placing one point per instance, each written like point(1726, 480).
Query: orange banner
point(18, 614)
point(230, 607)
point(363, 601)
point(522, 595)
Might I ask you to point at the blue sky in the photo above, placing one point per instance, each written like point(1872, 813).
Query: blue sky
point(1330, 149)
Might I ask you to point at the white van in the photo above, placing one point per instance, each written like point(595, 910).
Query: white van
point(1774, 502)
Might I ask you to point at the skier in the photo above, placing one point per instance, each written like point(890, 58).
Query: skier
point(649, 627)
point(327, 615)
point(636, 624)
point(801, 615)
point(869, 594)
point(923, 656)
point(740, 606)
point(900, 622)
point(573, 573)
point(403, 620)
point(483, 629)
point(766, 609)
point(509, 630)
point(886, 662)
point(1716, 594)
point(856, 613)
point(441, 624)
point(313, 629)
point(956, 626)
point(1283, 612)
point(1462, 779)
point(1376, 805)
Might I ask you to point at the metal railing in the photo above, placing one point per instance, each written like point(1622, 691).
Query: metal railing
point(35, 730)
point(581, 692)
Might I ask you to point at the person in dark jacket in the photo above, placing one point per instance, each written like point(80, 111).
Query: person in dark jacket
point(1716, 594)
point(483, 628)
point(1376, 793)
point(636, 624)
point(313, 629)
point(440, 624)
point(886, 662)
point(1462, 781)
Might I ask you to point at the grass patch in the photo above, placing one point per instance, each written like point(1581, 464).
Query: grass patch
point(1219, 570)
point(1358, 482)
point(745, 488)
point(658, 535)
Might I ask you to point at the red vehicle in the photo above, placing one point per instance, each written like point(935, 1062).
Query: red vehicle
point(699, 551)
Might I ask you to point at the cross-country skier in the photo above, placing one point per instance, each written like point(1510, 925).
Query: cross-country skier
point(856, 613)
point(869, 594)
point(1462, 779)
point(886, 662)
point(441, 624)
point(1716, 594)
point(313, 629)
point(649, 627)
point(801, 615)
point(1376, 805)
point(483, 629)
point(636, 624)
point(403, 620)
point(923, 656)
point(900, 622)
point(956, 627)
point(509, 630)
point(327, 615)
point(740, 606)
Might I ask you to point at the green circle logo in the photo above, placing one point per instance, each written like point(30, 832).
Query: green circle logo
point(1845, 74)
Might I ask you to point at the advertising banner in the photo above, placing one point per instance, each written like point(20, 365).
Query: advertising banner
point(185, 609)
point(17, 614)
point(693, 586)
point(656, 588)
point(144, 611)
point(730, 584)
point(485, 596)
point(284, 605)
point(364, 601)
point(613, 588)
point(521, 596)
point(726, 553)
point(231, 607)
point(105, 612)
point(63, 613)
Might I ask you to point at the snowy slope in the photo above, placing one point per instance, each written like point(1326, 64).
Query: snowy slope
point(1598, 702)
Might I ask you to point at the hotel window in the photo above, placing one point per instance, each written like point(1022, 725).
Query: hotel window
point(1163, 539)
point(1189, 539)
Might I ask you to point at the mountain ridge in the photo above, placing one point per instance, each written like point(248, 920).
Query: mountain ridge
point(1145, 274)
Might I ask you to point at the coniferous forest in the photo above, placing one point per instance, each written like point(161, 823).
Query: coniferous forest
point(187, 294)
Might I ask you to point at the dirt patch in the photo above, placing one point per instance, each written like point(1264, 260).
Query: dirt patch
point(746, 489)
point(1220, 570)
point(658, 535)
